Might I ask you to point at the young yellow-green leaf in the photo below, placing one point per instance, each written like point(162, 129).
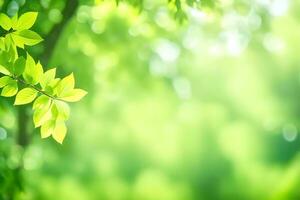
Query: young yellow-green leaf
point(59, 131)
point(8, 41)
point(4, 58)
point(51, 87)
point(63, 110)
point(47, 128)
point(65, 85)
point(49, 114)
point(4, 71)
point(5, 63)
point(10, 89)
point(47, 78)
point(29, 70)
point(39, 71)
point(56, 128)
point(5, 22)
point(10, 48)
point(25, 96)
point(26, 20)
point(74, 95)
point(33, 72)
point(41, 101)
point(2, 43)
point(42, 115)
point(4, 81)
point(19, 66)
point(18, 41)
point(14, 22)
point(26, 37)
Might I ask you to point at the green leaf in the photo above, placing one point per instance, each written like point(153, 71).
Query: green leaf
point(26, 21)
point(4, 71)
point(42, 115)
point(47, 78)
point(26, 37)
point(47, 128)
point(29, 70)
point(14, 22)
point(56, 128)
point(41, 101)
point(11, 49)
point(10, 89)
point(25, 96)
point(51, 87)
point(63, 110)
point(5, 22)
point(59, 132)
point(8, 41)
point(2, 43)
point(18, 41)
point(54, 112)
point(5, 64)
point(4, 58)
point(32, 72)
point(66, 85)
point(19, 66)
point(74, 95)
point(39, 71)
point(4, 81)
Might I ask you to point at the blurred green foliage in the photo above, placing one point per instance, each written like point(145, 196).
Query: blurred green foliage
point(204, 109)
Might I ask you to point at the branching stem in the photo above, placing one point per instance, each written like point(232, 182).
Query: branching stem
point(35, 88)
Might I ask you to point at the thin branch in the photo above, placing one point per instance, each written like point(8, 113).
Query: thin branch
point(33, 87)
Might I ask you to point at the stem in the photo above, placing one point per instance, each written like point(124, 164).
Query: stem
point(36, 88)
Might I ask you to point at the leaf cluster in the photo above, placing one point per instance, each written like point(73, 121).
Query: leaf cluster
point(26, 79)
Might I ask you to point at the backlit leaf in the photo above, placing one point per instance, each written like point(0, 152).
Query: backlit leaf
point(10, 89)
point(56, 128)
point(25, 96)
point(2, 43)
point(26, 37)
point(26, 20)
point(3, 70)
point(5, 22)
point(14, 22)
point(59, 131)
point(47, 128)
point(74, 95)
point(41, 101)
point(19, 66)
point(47, 77)
point(4, 81)
point(32, 72)
point(65, 85)
point(42, 115)
point(63, 110)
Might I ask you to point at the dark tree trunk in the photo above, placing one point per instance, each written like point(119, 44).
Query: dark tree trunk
point(23, 135)
point(52, 38)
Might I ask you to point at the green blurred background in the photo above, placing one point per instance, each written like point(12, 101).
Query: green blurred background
point(194, 102)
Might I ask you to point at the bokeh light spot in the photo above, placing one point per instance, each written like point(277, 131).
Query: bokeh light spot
point(3, 134)
point(289, 132)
